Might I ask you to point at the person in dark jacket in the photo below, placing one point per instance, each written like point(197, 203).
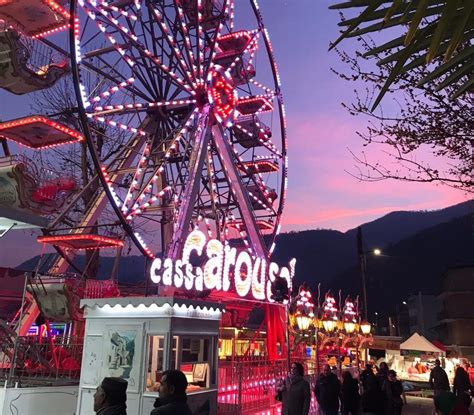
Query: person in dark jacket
point(111, 396)
point(393, 389)
point(172, 398)
point(373, 399)
point(350, 397)
point(438, 379)
point(365, 374)
point(295, 392)
point(444, 402)
point(462, 387)
point(382, 374)
point(327, 392)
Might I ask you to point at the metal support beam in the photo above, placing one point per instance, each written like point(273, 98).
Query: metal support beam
point(191, 188)
point(240, 193)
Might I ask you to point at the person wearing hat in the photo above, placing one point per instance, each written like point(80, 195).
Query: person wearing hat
point(172, 398)
point(395, 396)
point(111, 396)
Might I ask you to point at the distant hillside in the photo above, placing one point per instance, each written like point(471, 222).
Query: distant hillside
point(323, 254)
point(413, 264)
point(424, 243)
point(320, 254)
point(396, 226)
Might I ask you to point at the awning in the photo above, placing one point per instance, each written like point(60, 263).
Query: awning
point(439, 345)
point(419, 343)
point(16, 219)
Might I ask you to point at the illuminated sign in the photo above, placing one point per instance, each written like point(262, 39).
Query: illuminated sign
point(225, 269)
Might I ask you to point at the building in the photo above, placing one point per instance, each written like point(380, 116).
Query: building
point(423, 310)
point(456, 319)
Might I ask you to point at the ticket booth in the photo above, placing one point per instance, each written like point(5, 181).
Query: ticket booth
point(138, 338)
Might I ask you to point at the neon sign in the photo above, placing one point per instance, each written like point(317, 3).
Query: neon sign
point(225, 269)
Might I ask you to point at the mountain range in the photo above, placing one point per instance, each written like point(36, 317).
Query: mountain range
point(416, 247)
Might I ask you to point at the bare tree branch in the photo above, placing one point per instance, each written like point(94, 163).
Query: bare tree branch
point(426, 120)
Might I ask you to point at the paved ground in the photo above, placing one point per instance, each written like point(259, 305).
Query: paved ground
point(421, 406)
point(418, 406)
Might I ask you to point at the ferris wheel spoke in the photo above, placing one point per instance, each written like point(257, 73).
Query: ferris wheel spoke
point(231, 14)
point(121, 109)
point(215, 38)
point(240, 194)
point(134, 201)
point(131, 38)
point(187, 41)
point(265, 88)
point(199, 45)
point(130, 60)
point(171, 41)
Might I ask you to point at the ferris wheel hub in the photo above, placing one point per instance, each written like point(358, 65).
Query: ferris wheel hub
point(222, 95)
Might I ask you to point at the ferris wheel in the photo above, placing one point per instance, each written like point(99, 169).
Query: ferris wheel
point(179, 103)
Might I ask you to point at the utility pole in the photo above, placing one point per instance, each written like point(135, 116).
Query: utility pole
point(363, 270)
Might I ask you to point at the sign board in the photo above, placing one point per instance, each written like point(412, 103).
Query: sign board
point(224, 269)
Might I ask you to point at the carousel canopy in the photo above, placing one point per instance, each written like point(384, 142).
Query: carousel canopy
point(419, 343)
point(15, 219)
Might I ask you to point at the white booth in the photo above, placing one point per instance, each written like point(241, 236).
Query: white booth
point(137, 338)
point(415, 358)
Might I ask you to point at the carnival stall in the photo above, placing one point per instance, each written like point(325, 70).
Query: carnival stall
point(415, 358)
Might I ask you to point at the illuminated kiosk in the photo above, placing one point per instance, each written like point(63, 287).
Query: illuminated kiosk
point(137, 338)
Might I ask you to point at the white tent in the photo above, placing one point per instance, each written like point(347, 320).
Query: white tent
point(419, 343)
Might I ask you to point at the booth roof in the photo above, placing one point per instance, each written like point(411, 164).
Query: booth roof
point(148, 301)
point(419, 343)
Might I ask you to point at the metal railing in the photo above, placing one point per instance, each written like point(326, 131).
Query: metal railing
point(248, 385)
point(31, 361)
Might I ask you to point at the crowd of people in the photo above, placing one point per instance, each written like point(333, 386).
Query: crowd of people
point(447, 402)
point(379, 393)
point(375, 393)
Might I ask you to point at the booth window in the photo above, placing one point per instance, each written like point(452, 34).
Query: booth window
point(156, 351)
point(196, 362)
point(174, 353)
point(192, 355)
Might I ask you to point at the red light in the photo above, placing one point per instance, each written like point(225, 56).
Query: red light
point(18, 130)
point(223, 96)
point(36, 18)
point(81, 241)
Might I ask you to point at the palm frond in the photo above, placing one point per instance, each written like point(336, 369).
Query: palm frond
point(434, 28)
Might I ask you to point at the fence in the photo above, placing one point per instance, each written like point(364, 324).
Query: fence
point(26, 361)
point(248, 385)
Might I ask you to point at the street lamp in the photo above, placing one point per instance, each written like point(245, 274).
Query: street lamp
point(330, 325)
point(349, 326)
point(303, 310)
point(365, 327)
point(303, 321)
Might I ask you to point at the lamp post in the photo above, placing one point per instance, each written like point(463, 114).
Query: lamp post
point(361, 253)
point(341, 327)
point(301, 312)
point(333, 324)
